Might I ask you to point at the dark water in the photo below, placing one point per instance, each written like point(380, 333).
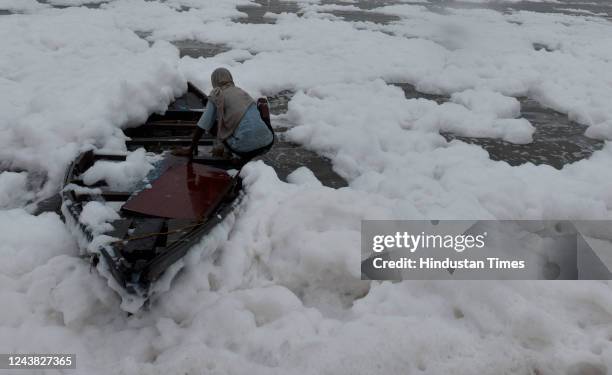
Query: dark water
point(255, 14)
point(557, 141)
point(191, 48)
point(195, 49)
point(365, 4)
point(563, 6)
point(90, 5)
point(361, 16)
point(572, 7)
point(279, 102)
point(286, 156)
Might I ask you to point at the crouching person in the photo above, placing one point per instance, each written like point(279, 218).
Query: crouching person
point(240, 127)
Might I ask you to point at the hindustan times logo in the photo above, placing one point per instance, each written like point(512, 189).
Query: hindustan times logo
point(412, 242)
point(486, 250)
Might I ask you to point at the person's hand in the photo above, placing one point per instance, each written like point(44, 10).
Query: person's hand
point(218, 151)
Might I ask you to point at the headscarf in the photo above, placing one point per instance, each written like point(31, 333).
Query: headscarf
point(231, 102)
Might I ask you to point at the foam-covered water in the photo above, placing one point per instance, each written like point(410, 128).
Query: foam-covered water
point(276, 287)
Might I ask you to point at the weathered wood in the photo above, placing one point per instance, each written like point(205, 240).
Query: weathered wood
point(143, 248)
point(176, 224)
point(196, 90)
point(116, 196)
point(165, 125)
point(85, 161)
point(188, 102)
point(158, 129)
point(106, 194)
point(177, 115)
point(214, 161)
point(176, 251)
point(171, 142)
point(79, 181)
point(160, 122)
point(109, 157)
point(120, 228)
point(52, 204)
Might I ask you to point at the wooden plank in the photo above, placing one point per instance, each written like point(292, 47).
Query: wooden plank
point(214, 161)
point(175, 141)
point(107, 195)
point(85, 161)
point(79, 181)
point(120, 228)
point(196, 90)
point(159, 130)
point(177, 224)
point(116, 196)
point(176, 115)
point(52, 204)
point(175, 252)
point(163, 122)
point(170, 125)
point(144, 247)
point(188, 102)
point(110, 157)
point(187, 191)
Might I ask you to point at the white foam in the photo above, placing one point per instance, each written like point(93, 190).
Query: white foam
point(282, 293)
point(120, 176)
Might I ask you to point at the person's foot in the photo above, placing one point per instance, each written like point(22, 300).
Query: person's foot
point(220, 151)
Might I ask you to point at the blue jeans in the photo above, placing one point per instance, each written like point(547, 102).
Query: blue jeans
point(251, 134)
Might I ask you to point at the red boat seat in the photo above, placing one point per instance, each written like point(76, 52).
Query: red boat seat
point(188, 191)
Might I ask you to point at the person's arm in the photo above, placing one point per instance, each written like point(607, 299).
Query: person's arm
point(197, 134)
point(204, 124)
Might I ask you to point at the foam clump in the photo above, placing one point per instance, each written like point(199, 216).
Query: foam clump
point(121, 176)
point(14, 191)
point(96, 216)
point(303, 176)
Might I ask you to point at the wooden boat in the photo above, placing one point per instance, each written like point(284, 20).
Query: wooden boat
point(158, 224)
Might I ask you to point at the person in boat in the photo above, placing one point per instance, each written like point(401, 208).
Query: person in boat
point(240, 129)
